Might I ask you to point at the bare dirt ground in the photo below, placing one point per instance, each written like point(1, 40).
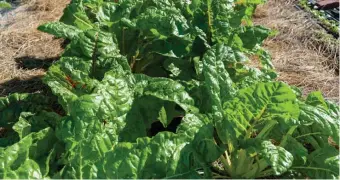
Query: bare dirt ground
point(303, 54)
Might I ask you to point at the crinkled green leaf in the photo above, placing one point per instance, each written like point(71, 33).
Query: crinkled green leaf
point(321, 120)
point(244, 76)
point(29, 157)
point(165, 89)
point(60, 30)
point(251, 36)
point(114, 111)
point(166, 155)
point(262, 103)
point(203, 46)
point(275, 97)
point(322, 164)
point(154, 158)
point(277, 157)
point(71, 77)
point(29, 122)
point(93, 44)
point(164, 22)
point(316, 99)
point(217, 81)
point(74, 14)
point(12, 106)
point(297, 149)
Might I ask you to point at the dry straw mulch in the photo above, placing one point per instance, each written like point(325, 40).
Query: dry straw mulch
point(303, 53)
point(21, 44)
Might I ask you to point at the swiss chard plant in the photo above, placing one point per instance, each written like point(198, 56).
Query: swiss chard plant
point(5, 5)
point(166, 89)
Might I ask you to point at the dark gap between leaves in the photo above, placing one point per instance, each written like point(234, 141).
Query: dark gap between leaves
point(157, 127)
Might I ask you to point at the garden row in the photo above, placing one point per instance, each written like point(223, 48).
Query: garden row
point(328, 17)
point(184, 65)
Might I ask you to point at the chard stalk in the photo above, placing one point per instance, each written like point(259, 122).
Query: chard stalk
point(289, 133)
point(258, 117)
point(266, 173)
point(226, 163)
point(260, 165)
point(210, 28)
point(94, 55)
point(264, 132)
point(241, 163)
point(308, 134)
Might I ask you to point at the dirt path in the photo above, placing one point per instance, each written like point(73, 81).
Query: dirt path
point(303, 53)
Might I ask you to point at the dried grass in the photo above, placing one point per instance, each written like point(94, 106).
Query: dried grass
point(19, 38)
point(301, 55)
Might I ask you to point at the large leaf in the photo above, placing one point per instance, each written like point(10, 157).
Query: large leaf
point(322, 164)
point(29, 122)
point(74, 14)
point(217, 81)
point(277, 157)
point(29, 158)
point(60, 30)
point(252, 36)
point(321, 121)
point(114, 112)
point(257, 106)
point(72, 76)
point(12, 110)
point(12, 106)
point(166, 155)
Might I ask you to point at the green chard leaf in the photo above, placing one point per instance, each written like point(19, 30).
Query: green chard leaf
point(166, 155)
point(277, 157)
point(60, 30)
point(218, 84)
point(12, 106)
point(252, 36)
point(257, 107)
point(114, 112)
point(323, 163)
point(29, 158)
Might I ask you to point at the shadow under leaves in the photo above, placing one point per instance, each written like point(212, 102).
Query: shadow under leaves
point(16, 85)
point(30, 62)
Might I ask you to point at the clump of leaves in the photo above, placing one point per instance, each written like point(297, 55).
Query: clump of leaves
point(179, 65)
point(5, 5)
